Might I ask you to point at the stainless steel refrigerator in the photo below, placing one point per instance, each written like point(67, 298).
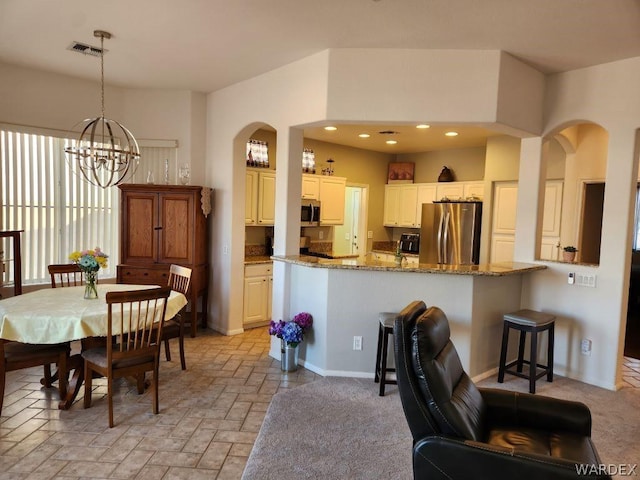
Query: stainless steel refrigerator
point(450, 232)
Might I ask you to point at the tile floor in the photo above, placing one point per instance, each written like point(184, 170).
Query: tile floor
point(631, 372)
point(209, 418)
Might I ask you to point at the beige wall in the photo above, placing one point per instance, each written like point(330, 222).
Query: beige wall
point(466, 164)
point(362, 167)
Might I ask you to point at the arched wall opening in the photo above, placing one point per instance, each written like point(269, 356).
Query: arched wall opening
point(575, 164)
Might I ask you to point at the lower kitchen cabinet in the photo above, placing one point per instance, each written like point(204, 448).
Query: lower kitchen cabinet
point(258, 287)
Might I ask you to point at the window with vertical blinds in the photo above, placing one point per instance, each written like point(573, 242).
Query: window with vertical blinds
point(60, 212)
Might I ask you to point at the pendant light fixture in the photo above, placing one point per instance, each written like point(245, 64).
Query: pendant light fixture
point(106, 153)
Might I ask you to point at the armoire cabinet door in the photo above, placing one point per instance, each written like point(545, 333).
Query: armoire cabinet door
point(139, 219)
point(176, 222)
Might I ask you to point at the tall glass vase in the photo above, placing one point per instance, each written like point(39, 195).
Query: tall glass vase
point(90, 288)
point(288, 357)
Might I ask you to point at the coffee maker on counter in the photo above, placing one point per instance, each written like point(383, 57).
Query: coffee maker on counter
point(410, 243)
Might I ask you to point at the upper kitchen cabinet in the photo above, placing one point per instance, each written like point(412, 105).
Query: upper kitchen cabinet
point(251, 198)
point(450, 190)
point(332, 192)
point(426, 194)
point(162, 225)
point(400, 205)
point(310, 187)
point(267, 198)
point(473, 190)
point(260, 197)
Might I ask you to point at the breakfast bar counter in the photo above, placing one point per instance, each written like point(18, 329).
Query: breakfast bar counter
point(345, 297)
point(492, 269)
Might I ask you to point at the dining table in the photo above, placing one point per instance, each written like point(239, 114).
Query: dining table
point(57, 315)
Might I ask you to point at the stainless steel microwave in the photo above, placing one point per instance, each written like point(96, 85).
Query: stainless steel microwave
point(310, 213)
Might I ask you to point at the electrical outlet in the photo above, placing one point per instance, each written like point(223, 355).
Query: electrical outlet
point(370, 234)
point(320, 234)
point(585, 346)
point(225, 250)
point(357, 343)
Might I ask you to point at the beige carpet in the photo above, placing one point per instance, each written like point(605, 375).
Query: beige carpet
point(339, 428)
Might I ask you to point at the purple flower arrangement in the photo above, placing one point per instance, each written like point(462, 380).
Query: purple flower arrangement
point(292, 332)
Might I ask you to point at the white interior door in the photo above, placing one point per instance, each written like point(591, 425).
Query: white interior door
point(349, 238)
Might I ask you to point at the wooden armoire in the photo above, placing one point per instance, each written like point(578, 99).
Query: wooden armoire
point(161, 225)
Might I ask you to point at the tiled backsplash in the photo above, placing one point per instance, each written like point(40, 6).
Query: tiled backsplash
point(255, 250)
point(385, 246)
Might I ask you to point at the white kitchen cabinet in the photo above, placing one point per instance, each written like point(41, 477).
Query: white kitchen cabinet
point(400, 205)
point(426, 194)
point(251, 198)
point(310, 187)
point(403, 202)
point(412, 260)
point(408, 211)
point(260, 197)
point(266, 198)
point(474, 190)
point(258, 288)
point(450, 190)
point(332, 191)
point(391, 206)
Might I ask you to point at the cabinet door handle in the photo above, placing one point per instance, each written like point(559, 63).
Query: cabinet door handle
point(157, 228)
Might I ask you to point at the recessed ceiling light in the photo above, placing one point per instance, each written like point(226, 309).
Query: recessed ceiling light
point(451, 134)
point(330, 128)
point(391, 142)
point(423, 125)
point(364, 135)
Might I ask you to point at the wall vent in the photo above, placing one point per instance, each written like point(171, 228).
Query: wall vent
point(85, 49)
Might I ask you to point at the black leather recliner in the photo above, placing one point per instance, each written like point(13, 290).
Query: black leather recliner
point(462, 432)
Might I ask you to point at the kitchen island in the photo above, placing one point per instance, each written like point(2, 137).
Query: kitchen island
point(345, 297)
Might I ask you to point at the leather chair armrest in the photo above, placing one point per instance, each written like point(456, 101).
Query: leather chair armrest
point(516, 409)
point(438, 457)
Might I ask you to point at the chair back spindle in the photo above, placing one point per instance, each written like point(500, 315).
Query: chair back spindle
point(66, 275)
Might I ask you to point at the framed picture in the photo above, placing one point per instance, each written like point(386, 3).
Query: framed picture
point(400, 172)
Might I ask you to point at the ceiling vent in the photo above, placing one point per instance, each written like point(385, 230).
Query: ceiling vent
point(388, 132)
point(85, 49)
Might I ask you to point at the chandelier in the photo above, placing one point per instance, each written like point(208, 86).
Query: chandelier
point(106, 153)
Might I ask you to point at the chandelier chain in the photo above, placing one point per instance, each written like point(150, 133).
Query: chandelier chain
point(102, 73)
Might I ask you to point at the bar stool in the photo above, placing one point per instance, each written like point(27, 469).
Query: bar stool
point(385, 329)
point(533, 322)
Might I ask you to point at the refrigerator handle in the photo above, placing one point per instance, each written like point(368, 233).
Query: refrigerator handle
point(445, 247)
point(440, 234)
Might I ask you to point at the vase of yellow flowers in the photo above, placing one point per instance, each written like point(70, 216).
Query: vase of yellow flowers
point(90, 262)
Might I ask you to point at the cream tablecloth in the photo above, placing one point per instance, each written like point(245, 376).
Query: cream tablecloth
point(54, 315)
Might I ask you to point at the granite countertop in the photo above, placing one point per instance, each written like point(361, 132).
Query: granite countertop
point(255, 259)
point(393, 252)
point(493, 269)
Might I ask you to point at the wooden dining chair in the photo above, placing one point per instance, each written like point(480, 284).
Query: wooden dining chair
point(62, 275)
point(16, 356)
point(134, 324)
point(66, 275)
point(179, 280)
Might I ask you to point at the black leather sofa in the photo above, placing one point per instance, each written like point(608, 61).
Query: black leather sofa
point(463, 432)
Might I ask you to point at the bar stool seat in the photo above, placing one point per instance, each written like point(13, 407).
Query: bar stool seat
point(385, 329)
point(533, 322)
